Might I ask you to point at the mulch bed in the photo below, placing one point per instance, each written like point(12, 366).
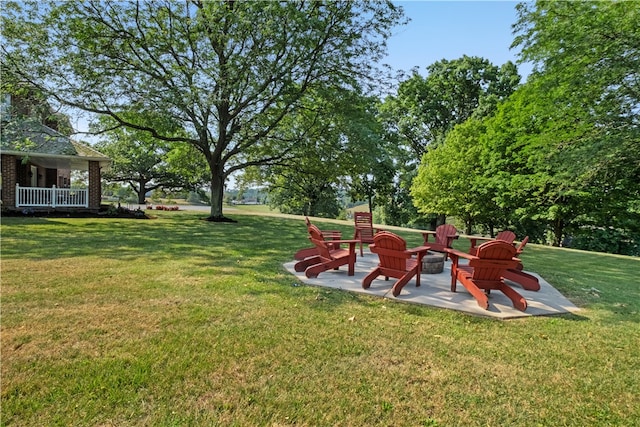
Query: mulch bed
point(104, 212)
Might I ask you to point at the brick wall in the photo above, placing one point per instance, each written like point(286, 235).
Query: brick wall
point(22, 172)
point(95, 187)
point(9, 174)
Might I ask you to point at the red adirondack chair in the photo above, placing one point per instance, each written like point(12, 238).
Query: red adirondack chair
point(505, 236)
point(526, 280)
point(395, 261)
point(444, 236)
point(327, 258)
point(328, 235)
point(486, 272)
point(364, 230)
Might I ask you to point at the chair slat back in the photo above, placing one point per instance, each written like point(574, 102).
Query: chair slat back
point(391, 250)
point(363, 222)
point(315, 235)
point(493, 258)
point(363, 219)
point(444, 230)
point(506, 236)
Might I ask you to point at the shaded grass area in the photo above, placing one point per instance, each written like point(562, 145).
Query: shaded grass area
point(179, 321)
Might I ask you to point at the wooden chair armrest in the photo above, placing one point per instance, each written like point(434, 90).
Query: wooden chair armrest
point(454, 253)
point(474, 240)
point(426, 234)
point(418, 249)
point(352, 243)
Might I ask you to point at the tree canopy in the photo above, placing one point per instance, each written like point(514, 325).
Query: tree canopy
point(229, 72)
point(339, 146)
point(587, 57)
point(426, 108)
point(560, 156)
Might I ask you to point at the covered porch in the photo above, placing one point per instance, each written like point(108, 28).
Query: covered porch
point(37, 175)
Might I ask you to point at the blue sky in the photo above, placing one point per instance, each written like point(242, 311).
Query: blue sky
point(450, 29)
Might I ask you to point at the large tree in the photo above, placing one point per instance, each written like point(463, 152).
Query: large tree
point(561, 154)
point(426, 108)
point(451, 179)
point(228, 71)
point(525, 164)
point(587, 62)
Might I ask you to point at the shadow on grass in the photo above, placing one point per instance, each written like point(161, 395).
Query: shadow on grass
point(257, 246)
point(169, 236)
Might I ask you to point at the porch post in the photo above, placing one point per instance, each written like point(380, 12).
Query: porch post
point(95, 187)
point(9, 181)
point(54, 196)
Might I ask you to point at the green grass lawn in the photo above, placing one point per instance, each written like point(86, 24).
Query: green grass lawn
point(176, 321)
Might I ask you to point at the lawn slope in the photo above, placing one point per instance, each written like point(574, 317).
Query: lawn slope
point(179, 321)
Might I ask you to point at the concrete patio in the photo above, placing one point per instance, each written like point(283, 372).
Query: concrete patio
point(435, 291)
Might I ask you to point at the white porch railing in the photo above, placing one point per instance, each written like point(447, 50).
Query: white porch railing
point(51, 197)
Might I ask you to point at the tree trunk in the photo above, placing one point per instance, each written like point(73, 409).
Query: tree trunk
point(217, 199)
point(141, 190)
point(558, 230)
point(141, 193)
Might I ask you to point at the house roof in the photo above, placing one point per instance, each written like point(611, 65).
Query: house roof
point(47, 147)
